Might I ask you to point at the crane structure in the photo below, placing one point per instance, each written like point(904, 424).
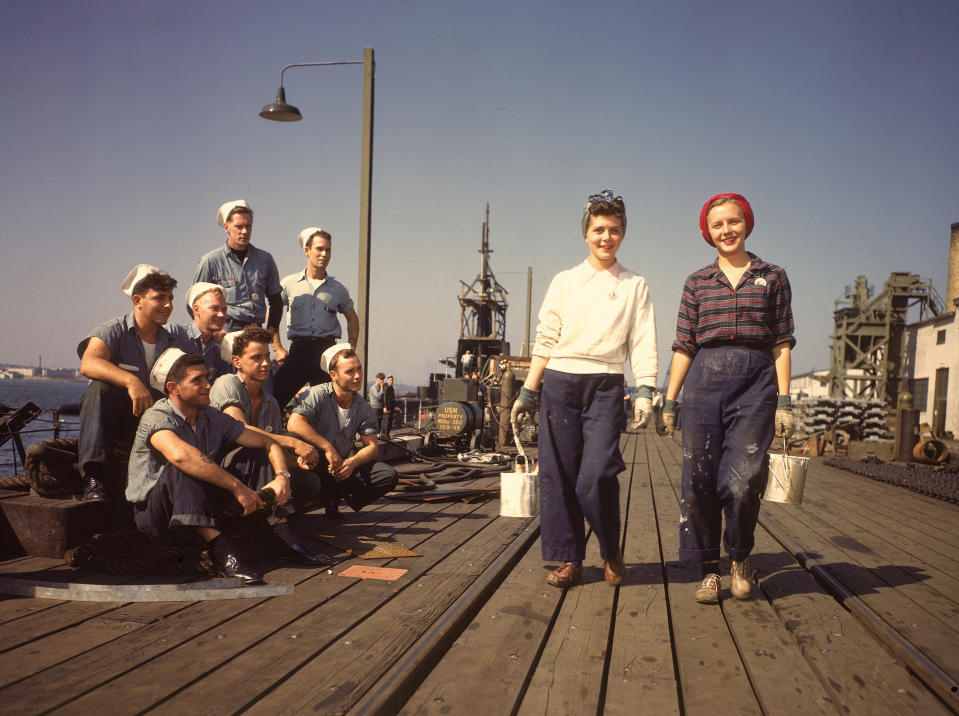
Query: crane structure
point(867, 339)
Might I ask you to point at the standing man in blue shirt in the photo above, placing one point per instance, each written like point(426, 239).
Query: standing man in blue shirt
point(248, 275)
point(117, 357)
point(314, 299)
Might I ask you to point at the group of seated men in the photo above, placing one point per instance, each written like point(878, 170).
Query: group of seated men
point(191, 401)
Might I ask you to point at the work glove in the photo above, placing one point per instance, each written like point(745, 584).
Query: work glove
point(524, 404)
point(785, 422)
point(643, 407)
point(669, 416)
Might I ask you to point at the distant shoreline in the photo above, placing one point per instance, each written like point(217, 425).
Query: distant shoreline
point(62, 379)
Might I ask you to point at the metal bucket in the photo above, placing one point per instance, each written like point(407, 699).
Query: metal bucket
point(518, 494)
point(786, 478)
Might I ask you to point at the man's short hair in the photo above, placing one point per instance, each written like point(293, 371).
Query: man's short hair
point(218, 291)
point(183, 363)
point(238, 210)
point(381, 376)
point(322, 234)
point(345, 353)
point(159, 281)
point(250, 334)
point(614, 207)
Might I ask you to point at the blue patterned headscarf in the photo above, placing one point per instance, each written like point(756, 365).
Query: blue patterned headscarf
point(603, 203)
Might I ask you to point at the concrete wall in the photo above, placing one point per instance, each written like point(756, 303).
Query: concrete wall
point(923, 356)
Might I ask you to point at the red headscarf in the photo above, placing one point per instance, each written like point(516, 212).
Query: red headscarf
point(743, 204)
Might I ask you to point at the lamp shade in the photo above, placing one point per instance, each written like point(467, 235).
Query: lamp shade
point(280, 111)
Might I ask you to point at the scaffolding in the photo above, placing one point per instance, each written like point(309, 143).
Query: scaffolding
point(483, 305)
point(867, 339)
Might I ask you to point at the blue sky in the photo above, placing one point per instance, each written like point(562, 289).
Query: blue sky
point(128, 123)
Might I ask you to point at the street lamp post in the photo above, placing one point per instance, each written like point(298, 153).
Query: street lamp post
point(280, 111)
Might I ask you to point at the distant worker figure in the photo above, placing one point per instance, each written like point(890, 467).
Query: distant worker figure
point(376, 398)
point(594, 317)
point(389, 407)
point(248, 275)
point(329, 416)
point(117, 357)
point(174, 482)
point(314, 299)
point(205, 302)
point(241, 395)
point(734, 335)
point(466, 362)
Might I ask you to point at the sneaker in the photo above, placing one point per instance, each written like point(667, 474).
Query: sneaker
point(708, 592)
point(742, 575)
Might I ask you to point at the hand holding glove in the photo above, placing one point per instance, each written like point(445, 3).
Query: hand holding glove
point(643, 407)
point(524, 404)
point(669, 416)
point(785, 422)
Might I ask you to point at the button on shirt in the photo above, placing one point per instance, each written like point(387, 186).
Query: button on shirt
point(318, 406)
point(758, 312)
point(592, 320)
point(313, 313)
point(126, 349)
point(189, 335)
point(231, 390)
point(214, 431)
point(246, 285)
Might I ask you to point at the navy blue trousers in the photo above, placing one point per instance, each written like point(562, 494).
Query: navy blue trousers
point(729, 405)
point(302, 366)
point(581, 418)
point(106, 414)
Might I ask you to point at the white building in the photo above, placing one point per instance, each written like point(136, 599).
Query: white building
point(931, 362)
point(806, 385)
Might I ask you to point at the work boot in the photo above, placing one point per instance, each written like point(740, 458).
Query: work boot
point(296, 549)
point(566, 575)
point(94, 490)
point(742, 575)
point(708, 592)
point(229, 563)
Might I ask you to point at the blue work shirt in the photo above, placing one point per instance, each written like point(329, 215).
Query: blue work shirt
point(318, 406)
point(190, 335)
point(214, 431)
point(126, 349)
point(231, 390)
point(312, 314)
point(376, 397)
point(246, 285)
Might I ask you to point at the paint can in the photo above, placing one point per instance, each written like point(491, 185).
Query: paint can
point(519, 493)
point(786, 478)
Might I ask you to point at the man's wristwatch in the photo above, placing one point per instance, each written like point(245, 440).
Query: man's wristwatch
point(285, 473)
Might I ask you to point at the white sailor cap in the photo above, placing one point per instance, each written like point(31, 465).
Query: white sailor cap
point(226, 346)
point(161, 369)
point(224, 211)
point(197, 290)
point(137, 274)
point(328, 354)
point(308, 233)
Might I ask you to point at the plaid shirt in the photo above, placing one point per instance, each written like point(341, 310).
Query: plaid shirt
point(758, 312)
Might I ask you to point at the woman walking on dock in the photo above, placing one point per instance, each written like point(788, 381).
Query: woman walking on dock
point(594, 317)
point(732, 350)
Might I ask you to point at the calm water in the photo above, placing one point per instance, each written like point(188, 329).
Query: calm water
point(46, 394)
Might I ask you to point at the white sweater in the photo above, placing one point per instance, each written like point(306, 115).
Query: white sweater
point(592, 321)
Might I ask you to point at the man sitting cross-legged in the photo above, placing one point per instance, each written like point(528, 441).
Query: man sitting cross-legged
point(329, 416)
point(175, 481)
point(241, 395)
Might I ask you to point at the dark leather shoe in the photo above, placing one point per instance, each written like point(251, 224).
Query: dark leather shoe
point(94, 491)
point(615, 571)
point(307, 556)
point(566, 575)
point(229, 563)
point(333, 510)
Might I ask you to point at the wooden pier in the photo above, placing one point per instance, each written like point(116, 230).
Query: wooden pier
point(855, 613)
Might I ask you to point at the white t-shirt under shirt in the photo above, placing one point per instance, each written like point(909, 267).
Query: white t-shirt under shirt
point(149, 352)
